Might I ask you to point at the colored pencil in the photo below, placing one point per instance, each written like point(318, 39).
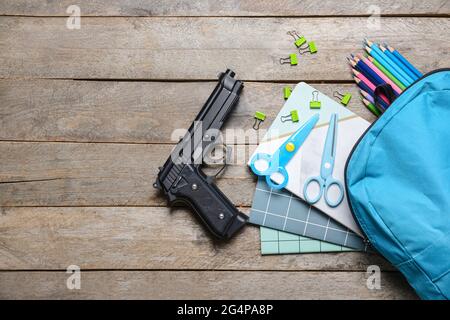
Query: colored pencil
point(400, 65)
point(377, 54)
point(380, 74)
point(363, 86)
point(375, 74)
point(363, 68)
point(405, 62)
point(369, 84)
point(371, 99)
point(372, 107)
point(391, 64)
point(386, 72)
point(363, 71)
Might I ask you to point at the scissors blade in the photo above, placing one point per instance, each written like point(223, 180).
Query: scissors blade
point(293, 144)
point(329, 150)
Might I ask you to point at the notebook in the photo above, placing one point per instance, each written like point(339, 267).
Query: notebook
point(307, 161)
point(279, 242)
point(283, 211)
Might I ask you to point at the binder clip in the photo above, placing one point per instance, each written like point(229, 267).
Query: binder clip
point(315, 103)
point(299, 41)
point(292, 116)
point(259, 118)
point(345, 98)
point(287, 92)
point(292, 59)
point(311, 48)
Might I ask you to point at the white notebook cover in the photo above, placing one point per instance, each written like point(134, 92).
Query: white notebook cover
point(306, 162)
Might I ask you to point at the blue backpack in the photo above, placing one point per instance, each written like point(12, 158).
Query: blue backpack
point(398, 184)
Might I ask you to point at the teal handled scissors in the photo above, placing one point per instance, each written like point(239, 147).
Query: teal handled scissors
point(276, 162)
point(325, 180)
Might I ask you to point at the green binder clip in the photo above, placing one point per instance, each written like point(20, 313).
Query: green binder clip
point(315, 103)
point(292, 116)
point(299, 41)
point(292, 59)
point(344, 98)
point(287, 92)
point(259, 118)
point(311, 48)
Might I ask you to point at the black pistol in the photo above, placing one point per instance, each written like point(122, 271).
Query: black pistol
point(181, 177)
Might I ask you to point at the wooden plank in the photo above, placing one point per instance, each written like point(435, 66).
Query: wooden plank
point(143, 112)
point(199, 48)
point(79, 174)
point(202, 285)
point(224, 7)
point(143, 238)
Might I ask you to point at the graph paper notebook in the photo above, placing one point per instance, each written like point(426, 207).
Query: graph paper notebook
point(306, 162)
point(283, 211)
point(279, 242)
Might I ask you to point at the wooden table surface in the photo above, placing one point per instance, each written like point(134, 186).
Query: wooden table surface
point(86, 117)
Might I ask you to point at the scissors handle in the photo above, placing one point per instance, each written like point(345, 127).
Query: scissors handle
point(272, 168)
point(308, 182)
point(264, 157)
point(324, 188)
point(277, 186)
point(333, 182)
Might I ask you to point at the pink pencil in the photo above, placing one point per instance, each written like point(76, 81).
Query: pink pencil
point(381, 74)
point(369, 84)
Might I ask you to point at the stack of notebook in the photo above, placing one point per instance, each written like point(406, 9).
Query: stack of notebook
point(288, 223)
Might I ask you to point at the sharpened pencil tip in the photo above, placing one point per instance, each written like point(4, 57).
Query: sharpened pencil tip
point(368, 41)
point(355, 72)
point(357, 80)
point(368, 49)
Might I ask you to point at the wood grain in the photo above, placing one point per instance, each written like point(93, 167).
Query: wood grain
point(138, 112)
point(199, 48)
point(202, 285)
point(80, 174)
point(224, 7)
point(143, 238)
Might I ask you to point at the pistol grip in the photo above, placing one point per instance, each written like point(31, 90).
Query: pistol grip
point(195, 189)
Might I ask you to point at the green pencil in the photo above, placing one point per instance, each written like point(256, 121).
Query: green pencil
point(372, 107)
point(387, 73)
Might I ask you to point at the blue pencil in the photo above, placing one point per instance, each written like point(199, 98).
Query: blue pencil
point(394, 59)
point(405, 62)
point(392, 64)
point(386, 65)
point(369, 75)
point(367, 71)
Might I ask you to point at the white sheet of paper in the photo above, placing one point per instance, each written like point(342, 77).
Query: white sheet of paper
point(307, 161)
